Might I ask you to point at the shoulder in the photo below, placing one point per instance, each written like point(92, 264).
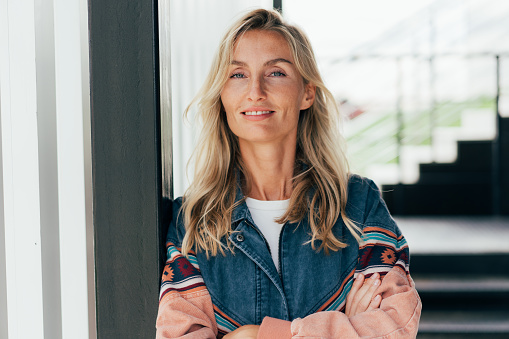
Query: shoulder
point(361, 187)
point(365, 204)
point(174, 220)
point(362, 194)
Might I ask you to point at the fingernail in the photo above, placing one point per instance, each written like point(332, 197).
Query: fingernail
point(359, 277)
point(378, 297)
point(374, 276)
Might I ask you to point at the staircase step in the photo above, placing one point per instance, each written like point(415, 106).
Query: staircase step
point(464, 324)
point(461, 284)
point(455, 244)
point(446, 174)
point(465, 264)
point(444, 198)
point(474, 165)
point(474, 155)
point(462, 293)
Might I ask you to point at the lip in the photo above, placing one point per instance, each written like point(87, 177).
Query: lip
point(257, 117)
point(256, 109)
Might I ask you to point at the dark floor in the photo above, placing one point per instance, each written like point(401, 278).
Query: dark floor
point(460, 266)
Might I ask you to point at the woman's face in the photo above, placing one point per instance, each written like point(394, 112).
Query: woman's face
point(264, 93)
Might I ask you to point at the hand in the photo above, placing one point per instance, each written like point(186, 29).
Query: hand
point(362, 297)
point(244, 332)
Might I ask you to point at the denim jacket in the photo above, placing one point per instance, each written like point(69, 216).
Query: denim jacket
point(245, 287)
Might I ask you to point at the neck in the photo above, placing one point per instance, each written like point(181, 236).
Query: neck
point(271, 168)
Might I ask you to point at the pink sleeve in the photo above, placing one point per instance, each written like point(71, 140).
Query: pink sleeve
point(397, 317)
point(274, 328)
point(189, 316)
point(185, 306)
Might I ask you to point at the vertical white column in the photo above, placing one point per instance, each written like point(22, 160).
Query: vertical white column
point(21, 171)
point(3, 275)
point(48, 174)
point(71, 174)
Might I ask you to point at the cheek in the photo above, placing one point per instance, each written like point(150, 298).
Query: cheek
point(294, 96)
point(228, 95)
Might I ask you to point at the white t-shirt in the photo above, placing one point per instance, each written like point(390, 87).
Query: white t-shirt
point(264, 214)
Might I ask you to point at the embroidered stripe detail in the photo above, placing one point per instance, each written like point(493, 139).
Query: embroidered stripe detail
point(180, 274)
point(382, 237)
point(173, 252)
point(337, 301)
point(188, 293)
point(225, 324)
point(380, 269)
point(183, 287)
point(370, 229)
point(378, 233)
point(377, 238)
point(381, 251)
point(401, 244)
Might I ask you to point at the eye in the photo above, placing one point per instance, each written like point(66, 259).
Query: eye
point(277, 74)
point(237, 76)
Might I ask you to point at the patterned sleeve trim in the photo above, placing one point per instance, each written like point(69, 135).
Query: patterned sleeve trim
point(381, 250)
point(225, 324)
point(181, 275)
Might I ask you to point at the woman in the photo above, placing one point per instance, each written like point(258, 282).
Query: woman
point(274, 238)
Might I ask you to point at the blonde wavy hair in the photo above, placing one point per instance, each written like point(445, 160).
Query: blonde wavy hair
point(321, 178)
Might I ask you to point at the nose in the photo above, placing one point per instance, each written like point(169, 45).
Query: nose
point(256, 90)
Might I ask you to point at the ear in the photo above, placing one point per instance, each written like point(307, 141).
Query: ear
point(309, 96)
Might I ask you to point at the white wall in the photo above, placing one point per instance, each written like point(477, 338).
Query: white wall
point(46, 265)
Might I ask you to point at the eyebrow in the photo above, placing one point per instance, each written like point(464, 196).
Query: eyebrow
point(268, 63)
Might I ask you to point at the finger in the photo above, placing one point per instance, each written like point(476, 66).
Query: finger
point(370, 293)
point(366, 294)
point(375, 303)
point(357, 284)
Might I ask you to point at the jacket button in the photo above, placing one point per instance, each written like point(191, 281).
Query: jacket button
point(240, 237)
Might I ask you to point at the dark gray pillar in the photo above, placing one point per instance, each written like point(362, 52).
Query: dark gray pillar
point(278, 4)
point(126, 165)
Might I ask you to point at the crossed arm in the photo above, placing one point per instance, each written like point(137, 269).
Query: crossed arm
point(361, 298)
point(395, 315)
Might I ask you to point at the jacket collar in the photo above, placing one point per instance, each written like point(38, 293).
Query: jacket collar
point(241, 211)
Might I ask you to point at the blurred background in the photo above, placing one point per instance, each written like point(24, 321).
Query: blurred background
point(423, 87)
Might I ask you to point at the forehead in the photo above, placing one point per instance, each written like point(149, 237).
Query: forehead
point(261, 44)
